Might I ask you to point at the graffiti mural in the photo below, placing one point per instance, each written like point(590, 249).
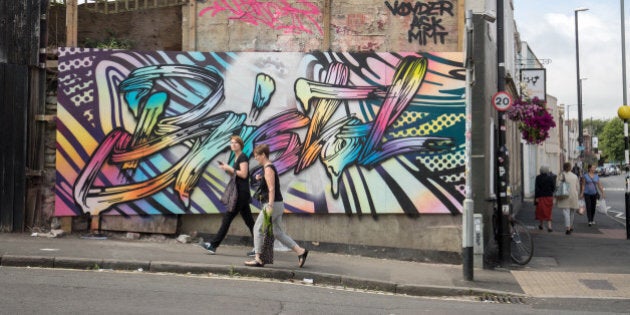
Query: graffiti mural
point(139, 133)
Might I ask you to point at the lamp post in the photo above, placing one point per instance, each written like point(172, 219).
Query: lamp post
point(579, 84)
point(569, 124)
point(624, 113)
point(467, 219)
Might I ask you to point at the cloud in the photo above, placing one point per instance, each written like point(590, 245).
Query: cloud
point(552, 36)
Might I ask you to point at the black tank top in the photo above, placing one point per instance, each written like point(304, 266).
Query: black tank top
point(278, 194)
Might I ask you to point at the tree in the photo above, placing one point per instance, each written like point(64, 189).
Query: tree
point(595, 126)
point(611, 140)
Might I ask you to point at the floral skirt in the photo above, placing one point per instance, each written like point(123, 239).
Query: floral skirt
point(543, 208)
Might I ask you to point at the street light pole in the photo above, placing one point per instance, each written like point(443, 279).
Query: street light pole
point(579, 86)
point(569, 155)
point(625, 121)
point(467, 218)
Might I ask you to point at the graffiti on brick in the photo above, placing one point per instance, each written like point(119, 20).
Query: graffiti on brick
point(349, 133)
point(300, 17)
point(426, 23)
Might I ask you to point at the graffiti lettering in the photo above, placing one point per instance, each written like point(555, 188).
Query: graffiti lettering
point(423, 29)
point(425, 24)
point(278, 15)
point(356, 132)
point(421, 8)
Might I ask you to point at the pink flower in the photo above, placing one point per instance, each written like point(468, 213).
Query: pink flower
point(534, 121)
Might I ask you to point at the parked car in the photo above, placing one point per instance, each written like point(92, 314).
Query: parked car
point(613, 170)
point(601, 171)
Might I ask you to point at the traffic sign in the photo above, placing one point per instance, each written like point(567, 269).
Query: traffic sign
point(502, 101)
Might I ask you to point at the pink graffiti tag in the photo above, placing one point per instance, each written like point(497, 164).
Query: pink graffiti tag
point(279, 15)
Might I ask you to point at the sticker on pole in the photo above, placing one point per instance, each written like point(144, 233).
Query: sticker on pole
point(501, 101)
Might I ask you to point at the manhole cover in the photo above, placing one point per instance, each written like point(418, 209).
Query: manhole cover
point(598, 284)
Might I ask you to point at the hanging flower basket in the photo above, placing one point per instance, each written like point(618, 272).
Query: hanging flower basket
point(533, 119)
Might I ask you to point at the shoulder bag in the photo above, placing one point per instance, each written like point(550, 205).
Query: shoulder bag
point(562, 189)
point(230, 194)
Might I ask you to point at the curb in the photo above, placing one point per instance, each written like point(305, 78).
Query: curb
point(244, 271)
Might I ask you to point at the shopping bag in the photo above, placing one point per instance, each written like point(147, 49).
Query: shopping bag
point(582, 207)
point(266, 255)
point(601, 206)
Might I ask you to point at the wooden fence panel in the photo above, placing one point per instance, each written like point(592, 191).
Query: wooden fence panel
point(14, 96)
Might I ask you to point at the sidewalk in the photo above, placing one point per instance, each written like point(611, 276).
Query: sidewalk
point(402, 277)
point(592, 262)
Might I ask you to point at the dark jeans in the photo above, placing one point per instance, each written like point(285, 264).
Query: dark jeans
point(591, 202)
point(242, 207)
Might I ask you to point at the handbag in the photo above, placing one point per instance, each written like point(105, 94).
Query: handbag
point(562, 189)
point(581, 207)
point(262, 191)
point(230, 194)
point(601, 206)
point(266, 254)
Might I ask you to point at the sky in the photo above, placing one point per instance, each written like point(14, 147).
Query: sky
point(548, 27)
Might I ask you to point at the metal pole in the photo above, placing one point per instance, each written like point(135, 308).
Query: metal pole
point(625, 121)
point(467, 219)
point(503, 163)
point(579, 87)
point(568, 134)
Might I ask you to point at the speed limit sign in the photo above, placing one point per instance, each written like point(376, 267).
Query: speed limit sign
point(501, 101)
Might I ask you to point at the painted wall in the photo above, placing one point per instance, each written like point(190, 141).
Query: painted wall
point(309, 25)
point(141, 132)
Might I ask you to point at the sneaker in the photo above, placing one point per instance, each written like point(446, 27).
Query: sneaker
point(251, 253)
point(211, 250)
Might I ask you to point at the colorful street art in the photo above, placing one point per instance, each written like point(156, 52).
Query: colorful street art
point(140, 133)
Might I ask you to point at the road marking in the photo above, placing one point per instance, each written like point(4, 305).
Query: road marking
point(614, 189)
point(573, 284)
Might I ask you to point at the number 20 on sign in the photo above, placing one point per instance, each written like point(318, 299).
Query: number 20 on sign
point(502, 101)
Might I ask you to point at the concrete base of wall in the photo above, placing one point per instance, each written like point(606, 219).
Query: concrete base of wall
point(426, 238)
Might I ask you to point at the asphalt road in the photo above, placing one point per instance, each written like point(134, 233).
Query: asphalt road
point(614, 186)
point(56, 291)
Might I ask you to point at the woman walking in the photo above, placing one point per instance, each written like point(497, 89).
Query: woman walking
point(569, 204)
point(590, 186)
point(274, 204)
point(241, 170)
point(543, 195)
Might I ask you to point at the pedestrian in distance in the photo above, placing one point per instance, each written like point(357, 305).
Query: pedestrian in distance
point(591, 186)
point(274, 203)
point(570, 204)
point(543, 196)
point(576, 171)
point(241, 169)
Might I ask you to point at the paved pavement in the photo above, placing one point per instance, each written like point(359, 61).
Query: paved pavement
point(592, 262)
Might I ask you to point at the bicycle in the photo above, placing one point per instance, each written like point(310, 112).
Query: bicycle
point(521, 241)
point(522, 244)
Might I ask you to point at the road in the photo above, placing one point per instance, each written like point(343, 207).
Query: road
point(57, 291)
point(614, 186)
